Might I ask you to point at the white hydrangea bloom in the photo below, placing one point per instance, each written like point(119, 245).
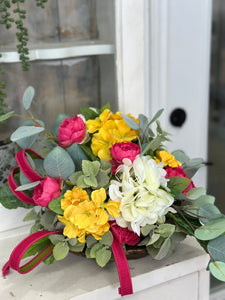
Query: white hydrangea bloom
point(138, 188)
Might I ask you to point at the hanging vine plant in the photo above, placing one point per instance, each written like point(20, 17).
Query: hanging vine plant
point(6, 19)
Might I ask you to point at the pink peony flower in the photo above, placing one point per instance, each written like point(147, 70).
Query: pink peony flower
point(171, 172)
point(71, 131)
point(120, 151)
point(46, 190)
point(124, 235)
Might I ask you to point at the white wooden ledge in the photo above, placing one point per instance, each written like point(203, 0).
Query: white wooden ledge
point(181, 276)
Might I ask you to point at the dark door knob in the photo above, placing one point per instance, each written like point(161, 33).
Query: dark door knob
point(178, 117)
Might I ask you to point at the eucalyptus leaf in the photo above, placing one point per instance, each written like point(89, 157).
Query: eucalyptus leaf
point(195, 193)
point(28, 97)
point(216, 248)
point(130, 122)
point(180, 156)
point(6, 116)
point(77, 155)
point(58, 121)
point(103, 257)
point(23, 179)
point(207, 212)
point(217, 269)
point(59, 163)
point(27, 186)
point(211, 230)
point(61, 250)
point(191, 166)
point(25, 131)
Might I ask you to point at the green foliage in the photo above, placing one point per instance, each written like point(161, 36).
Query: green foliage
point(106, 239)
point(88, 113)
point(78, 155)
point(177, 184)
point(78, 247)
point(191, 166)
point(25, 132)
point(94, 174)
point(216, 248)
point(130, 122)
point(55, 205)
point(103, 256)
point(31, 215)
point(208, 212)
point(195, 193)
point(59, 163)
point(180, 156)
point(28, 97)
point(9, 200)
point(58, 121)
point(211, 229)
point(217, 269)
point(4, 116)
point(60, 250)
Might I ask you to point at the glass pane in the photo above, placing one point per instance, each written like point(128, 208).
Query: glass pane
point(69, 20)
point(61, 86)
point(216, 146)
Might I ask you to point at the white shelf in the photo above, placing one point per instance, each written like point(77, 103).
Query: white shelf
point(182, 275)
point(59, 51)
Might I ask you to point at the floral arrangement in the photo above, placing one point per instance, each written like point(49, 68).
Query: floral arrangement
point(105, 180)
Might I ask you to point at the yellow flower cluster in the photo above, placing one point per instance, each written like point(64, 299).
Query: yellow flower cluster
point(108, 130)
point(83, 216)
point(167, 158)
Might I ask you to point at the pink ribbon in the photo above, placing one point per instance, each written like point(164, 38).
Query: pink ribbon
point(19, 194)
point(25, 167)
point(22, 247)
point(122, 268)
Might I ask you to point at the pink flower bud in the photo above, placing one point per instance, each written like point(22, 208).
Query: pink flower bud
point(46, 190)
point(71, 131)
point(120, 151)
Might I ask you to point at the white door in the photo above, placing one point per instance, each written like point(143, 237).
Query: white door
point(163, 51)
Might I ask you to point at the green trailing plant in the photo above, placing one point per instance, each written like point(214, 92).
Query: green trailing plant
point(7, 20)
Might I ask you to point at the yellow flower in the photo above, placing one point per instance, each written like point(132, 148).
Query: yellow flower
point(73, 196)
point(97, 123)
point(167, 158)
point(112, 132)
point(83, 216)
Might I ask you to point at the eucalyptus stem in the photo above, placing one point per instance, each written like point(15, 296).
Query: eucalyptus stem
point(39, 125)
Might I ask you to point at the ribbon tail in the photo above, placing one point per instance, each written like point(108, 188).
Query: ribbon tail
point(126, 287)
point(6, 269)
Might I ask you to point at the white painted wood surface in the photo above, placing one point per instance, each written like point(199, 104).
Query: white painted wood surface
point(177, 277)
